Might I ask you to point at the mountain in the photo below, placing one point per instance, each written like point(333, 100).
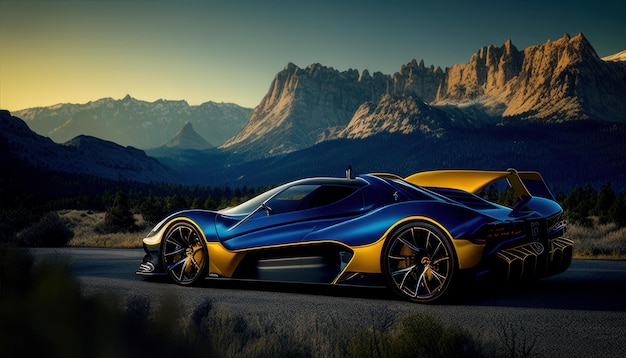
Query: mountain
point(556, 82)
point(397, 114)
point(567, 155)
point(620, 56)
point(83, 155)
point(555, 107)
point(132, 122)
point(566, 80)
point(301, 105)
point(188, 138)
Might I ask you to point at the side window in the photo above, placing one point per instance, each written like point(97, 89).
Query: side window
point(302, 197)
point(291, 199)
point(329, 194)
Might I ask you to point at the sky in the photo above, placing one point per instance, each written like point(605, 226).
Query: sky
point(78, 51)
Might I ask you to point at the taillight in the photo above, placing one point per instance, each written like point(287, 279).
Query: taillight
point(499, 232)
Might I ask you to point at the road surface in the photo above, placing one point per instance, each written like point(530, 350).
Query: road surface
point(579, 313)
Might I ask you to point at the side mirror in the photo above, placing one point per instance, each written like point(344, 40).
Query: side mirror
point(268, 210)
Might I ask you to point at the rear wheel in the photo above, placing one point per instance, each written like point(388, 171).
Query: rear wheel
point(419, 263)
point(184, 254)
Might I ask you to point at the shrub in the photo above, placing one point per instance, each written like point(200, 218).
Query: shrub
point(153, 209)
point(43, 313)
point(418, 336)
point(514, 340)
point(50, 231)
point(118, 218)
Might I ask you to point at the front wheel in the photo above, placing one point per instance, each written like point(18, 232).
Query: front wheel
point(419, 263)
point(184, 254)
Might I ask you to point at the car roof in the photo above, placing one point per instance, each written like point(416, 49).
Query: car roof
point(357, 182)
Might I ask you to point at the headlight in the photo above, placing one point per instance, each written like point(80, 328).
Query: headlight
point(156, 228)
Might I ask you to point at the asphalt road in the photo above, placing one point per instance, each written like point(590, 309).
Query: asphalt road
point(579, 313)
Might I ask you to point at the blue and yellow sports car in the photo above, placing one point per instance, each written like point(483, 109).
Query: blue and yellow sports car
point(419, 235)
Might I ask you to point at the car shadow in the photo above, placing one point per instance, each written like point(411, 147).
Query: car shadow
point(597, 291)
point(380, 293)
point(600, 291)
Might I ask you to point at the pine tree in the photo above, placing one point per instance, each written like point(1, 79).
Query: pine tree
point(118, 218)
point(605, 200)
point(579, 204)
point(153, 209)
point(176, 203)
point(617, 211)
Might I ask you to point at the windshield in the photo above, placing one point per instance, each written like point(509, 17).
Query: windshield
point(320, 191)
point(251, 205)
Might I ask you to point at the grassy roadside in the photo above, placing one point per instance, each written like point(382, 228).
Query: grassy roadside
point(43, 308)
point(83, 224)
point(600, 241)
point(44, 312)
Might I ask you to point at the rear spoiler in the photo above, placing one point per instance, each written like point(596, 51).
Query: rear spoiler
point(473, 181)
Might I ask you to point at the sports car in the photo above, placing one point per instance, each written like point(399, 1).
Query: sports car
point(420, 236)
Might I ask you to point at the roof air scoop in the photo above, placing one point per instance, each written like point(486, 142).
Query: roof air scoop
point(349, 174)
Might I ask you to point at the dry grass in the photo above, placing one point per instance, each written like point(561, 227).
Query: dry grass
point(599, 241)
point(83, 224)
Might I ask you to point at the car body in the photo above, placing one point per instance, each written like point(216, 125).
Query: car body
point(419, 235)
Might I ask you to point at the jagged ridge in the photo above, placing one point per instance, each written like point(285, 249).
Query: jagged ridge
point(558, 81)
point(134, 122)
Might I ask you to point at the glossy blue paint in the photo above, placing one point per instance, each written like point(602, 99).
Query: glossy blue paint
point(361, 218)
point(316, 224)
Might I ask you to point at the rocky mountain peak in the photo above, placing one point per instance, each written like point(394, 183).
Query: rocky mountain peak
point(188, 138)
point(396, 114)
point(417, 79)
point(130, 121)
point(561, 80)
point(571, 50)
point(303, 103)
point(565, 80)
point(487, 73)
point(617, 57)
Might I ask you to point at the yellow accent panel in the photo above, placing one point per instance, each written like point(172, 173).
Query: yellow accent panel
point(366, 258)
point(469, 180)
point(222, 261)
point(473, 181)
point(156, 238)
point(467, 253)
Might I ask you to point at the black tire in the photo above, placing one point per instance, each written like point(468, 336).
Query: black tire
point(184, 254)
point(419, 263)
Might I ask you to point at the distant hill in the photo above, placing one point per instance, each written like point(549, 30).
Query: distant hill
point(132, 122)
point(83, 155)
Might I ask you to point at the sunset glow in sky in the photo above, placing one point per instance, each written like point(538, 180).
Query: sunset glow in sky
point(229, 51)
